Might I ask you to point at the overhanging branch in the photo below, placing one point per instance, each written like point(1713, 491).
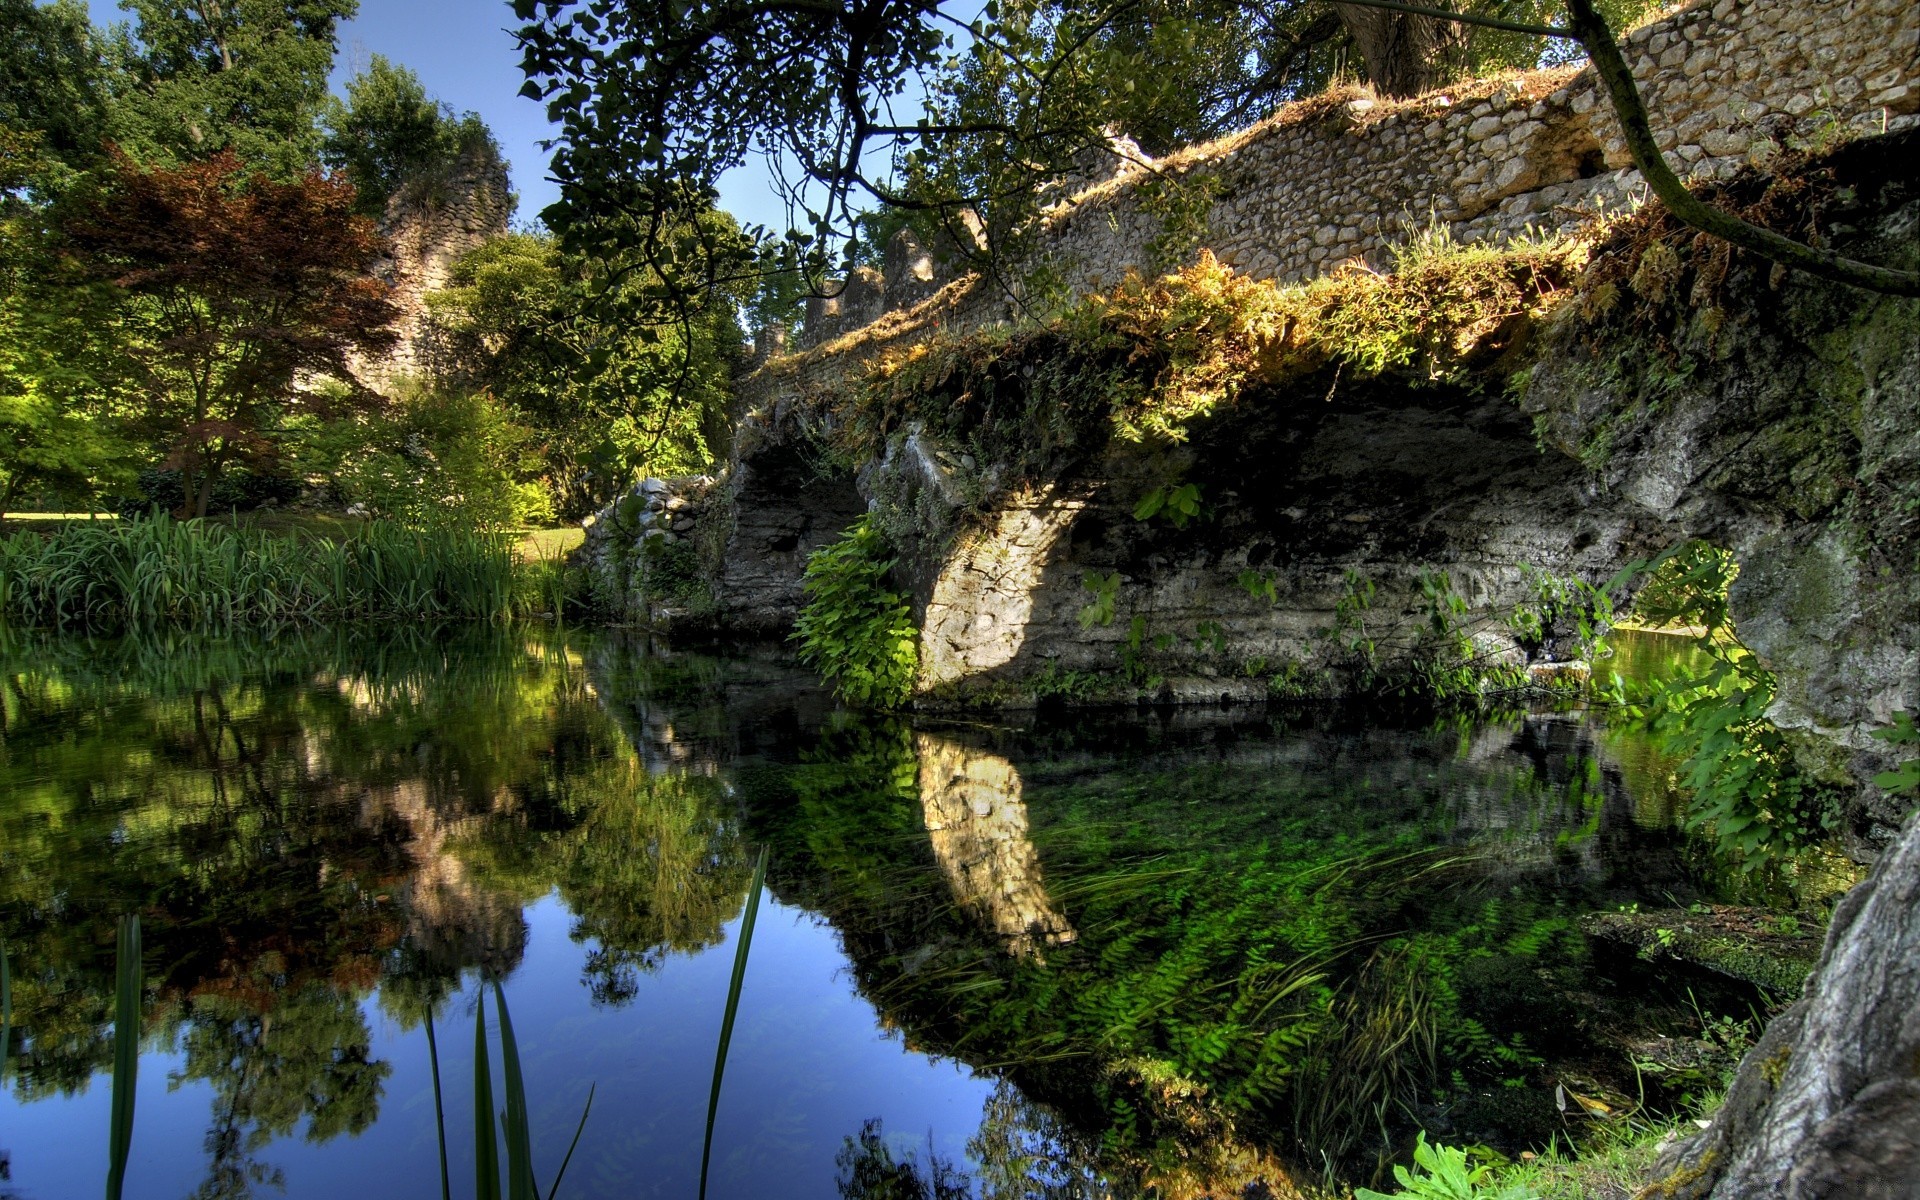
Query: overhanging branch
point(1595, 36)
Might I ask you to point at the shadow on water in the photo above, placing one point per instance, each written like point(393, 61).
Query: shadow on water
point(1190, 952)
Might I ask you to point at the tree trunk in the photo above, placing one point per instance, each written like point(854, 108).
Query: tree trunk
point(210, 463)
point(1827, 1105)
point(1404, 54)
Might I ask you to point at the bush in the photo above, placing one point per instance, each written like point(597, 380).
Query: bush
point(164, 491)
point(854, 629)
point(437, 458)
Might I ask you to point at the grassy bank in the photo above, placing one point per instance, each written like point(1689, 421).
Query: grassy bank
point(161, 572)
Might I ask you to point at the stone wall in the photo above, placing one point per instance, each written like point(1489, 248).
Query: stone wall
point(1337, 181)
point(431, 224)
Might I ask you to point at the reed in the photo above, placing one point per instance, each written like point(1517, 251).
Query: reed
point(514, 1123)
point(158, 572)
point(6, 1012)
point(747, 918)
point(126, 1052)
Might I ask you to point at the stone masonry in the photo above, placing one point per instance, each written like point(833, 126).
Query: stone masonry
point(1337, 181)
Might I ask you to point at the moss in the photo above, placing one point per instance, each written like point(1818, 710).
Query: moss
point(1774, 1068)
point(1145, 361)
point(1737, 943)
point(1686, 1180)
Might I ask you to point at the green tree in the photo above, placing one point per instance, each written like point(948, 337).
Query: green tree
point(388, 133)
point(55, 80)
point(246, 76)
point(436, 456)
point(572, 344)
point(54, 435)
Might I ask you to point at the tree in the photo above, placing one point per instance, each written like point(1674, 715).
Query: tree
point(568, 342)
point(388, 133)
point(225, 287)
point(247, 76)
point(54, 79)
point(51, 437)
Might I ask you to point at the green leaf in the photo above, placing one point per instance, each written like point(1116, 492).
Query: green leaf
point(734, 985)
point(128, 981)
point(486, 1150)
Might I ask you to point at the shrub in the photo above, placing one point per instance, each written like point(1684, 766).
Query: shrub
point(438, 457)
point(164, 491)
point(854, 629)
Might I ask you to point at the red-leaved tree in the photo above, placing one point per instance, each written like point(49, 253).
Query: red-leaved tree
point(227, 287)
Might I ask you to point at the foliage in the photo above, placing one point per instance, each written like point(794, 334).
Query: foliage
point(160, 572)
point(854, 628)
point(243, 77)
point(55, 82)
point(1178, 504)
point(1906, 779)
point(1748, 792)
point(565, 339)
point(1444, 1173)
point(388, 135)
point(222, 287)
point(1100, 610)
point(1147, 360)
point(237, 491)
point(1251, 944)
point(435, 457)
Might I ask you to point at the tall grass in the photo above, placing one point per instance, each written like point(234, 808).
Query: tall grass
point(160, 572)
point(129, 982)
point(739, 977)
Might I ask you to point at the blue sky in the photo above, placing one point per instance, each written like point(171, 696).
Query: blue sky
point(463, 51)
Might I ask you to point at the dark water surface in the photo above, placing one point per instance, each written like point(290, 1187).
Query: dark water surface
point(1068, 957)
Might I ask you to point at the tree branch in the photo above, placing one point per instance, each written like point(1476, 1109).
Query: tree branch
point(1592, 31)
point(1443, 14)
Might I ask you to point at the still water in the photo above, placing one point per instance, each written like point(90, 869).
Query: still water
point(1172, 953)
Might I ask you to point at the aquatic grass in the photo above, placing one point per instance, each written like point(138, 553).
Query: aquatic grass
point(6, 1012)
point(514, 1124)
point(439, 1107)
point(158, 572)
point(520, 1185)
point(126, 1052)
point(486, 1151)
point(747, 918)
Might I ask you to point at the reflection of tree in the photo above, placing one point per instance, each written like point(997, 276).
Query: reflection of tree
point(307, 1058)
point(868, 1170)
point(1026, 1152)
point(298, 821)
point(647, 863)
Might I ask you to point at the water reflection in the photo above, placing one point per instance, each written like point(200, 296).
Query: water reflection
point(1064, 960)
point(977, 828)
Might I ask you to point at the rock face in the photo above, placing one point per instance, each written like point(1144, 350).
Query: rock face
point(1827, 1105)
point(1782, 421)
point(1344, 523)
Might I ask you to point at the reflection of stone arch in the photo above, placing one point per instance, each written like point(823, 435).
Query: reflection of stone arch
point(977, 824)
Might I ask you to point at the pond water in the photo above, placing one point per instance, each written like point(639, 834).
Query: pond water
point(1170, 953)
